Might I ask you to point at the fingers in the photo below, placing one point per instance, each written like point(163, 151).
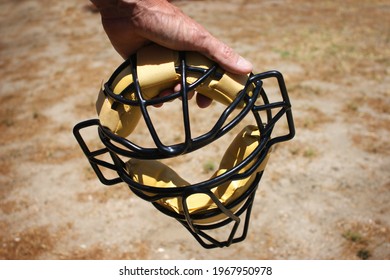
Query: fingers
point(226, 57)
point(193, 36)
point(177, 88)
point(201, 100)
point(196, 38)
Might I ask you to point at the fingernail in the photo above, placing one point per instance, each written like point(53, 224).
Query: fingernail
point(244, 64)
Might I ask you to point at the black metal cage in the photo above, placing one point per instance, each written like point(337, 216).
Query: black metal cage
point(119, 148)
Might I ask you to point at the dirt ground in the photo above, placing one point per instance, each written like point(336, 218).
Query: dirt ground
point(324, 195)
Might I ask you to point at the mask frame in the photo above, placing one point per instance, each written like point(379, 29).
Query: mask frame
point(118, 147)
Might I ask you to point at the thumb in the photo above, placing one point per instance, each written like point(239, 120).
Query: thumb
point(226, 57)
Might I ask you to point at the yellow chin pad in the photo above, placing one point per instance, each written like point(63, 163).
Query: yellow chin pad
point(156, 72)
point(156, 174)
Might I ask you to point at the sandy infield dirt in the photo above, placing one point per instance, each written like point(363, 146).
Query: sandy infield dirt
point(324, 195)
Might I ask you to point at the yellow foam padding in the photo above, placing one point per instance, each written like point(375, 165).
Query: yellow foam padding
point(156, 72)
point(156, 174)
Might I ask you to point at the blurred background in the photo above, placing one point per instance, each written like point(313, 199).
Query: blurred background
point(324, 195)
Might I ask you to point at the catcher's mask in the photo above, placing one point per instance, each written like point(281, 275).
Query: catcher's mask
point(134, 91)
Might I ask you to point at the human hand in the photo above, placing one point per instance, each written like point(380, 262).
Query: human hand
point(132, 24)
